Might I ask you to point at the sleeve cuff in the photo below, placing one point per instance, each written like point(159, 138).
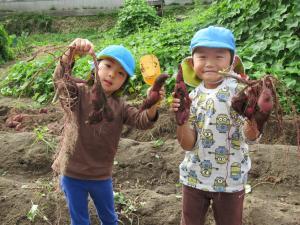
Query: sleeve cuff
point(155, 117)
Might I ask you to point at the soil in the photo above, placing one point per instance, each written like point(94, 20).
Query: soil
point(145, 173)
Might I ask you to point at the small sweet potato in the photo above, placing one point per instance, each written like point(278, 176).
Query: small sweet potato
point(154, 95)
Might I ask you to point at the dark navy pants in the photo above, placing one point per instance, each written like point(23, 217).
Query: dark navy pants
point(101, 192)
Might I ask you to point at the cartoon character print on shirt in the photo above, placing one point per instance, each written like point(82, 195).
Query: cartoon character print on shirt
point(236, 139)
point(235, 171)
point(192, 178)
point(184, 168)
point(246, 158)
point(206, 168)
point(236, 119)
point(200, 121)
point(223, 94)
point(201, 98)
point(193, 114)
point(222, 123)
point(219, 184)
point(207, 138)
point(210, 107)
point(195, 158)
point(239, 87)
point(221, 154)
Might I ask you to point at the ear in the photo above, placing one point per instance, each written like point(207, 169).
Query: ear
point(190, 61)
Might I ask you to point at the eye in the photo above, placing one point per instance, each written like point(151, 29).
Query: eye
point(200, 57)
point(122, 74)
point(107, 65)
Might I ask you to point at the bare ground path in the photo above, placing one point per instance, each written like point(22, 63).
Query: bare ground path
point(145, 172)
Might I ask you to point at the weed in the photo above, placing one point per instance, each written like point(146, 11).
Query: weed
point(34, 212)
point(126, 207)
point(41, 135)
point(158, 143)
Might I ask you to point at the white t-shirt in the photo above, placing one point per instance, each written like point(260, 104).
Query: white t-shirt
point(220, 159)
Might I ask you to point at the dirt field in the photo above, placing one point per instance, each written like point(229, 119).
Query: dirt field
point(145, 173)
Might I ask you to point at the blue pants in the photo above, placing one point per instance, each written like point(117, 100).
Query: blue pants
point(101, 192)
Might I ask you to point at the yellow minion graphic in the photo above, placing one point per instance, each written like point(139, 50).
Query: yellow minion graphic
point(210, 107)
point(236, 119)
point(201, 98)
point(235, 140)
point(223, 94)
point(206, 168)
point(207, 138)
point(222, 123)
point(235, 171)
point(219, 184)
point(192, 178)
point(221, 154)
point(200, 120)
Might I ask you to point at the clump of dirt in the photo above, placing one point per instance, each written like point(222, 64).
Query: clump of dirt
point(145, 175)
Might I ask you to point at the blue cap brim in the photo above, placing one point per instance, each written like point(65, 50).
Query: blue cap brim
point(211, 44)
point(123, 64)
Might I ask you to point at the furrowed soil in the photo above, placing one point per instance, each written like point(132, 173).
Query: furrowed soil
point(145, 172)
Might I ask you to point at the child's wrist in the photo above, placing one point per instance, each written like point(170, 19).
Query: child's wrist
point(152, 114)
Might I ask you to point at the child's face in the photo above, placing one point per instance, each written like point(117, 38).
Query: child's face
point(112, 75)
point(208, 61)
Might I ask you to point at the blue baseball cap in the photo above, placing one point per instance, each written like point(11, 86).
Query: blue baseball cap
point(213, 37)
point(121, 54)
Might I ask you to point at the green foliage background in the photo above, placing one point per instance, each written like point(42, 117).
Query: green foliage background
point(28, 23)
point(267, 35)
point(5, 42)
point(135, 15)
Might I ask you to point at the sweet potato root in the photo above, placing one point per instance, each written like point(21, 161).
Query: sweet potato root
point(101, 110)
point(257, 100)
point(154, 96)
point(181, 92)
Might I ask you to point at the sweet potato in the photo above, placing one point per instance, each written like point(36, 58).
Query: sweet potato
point(181, 92)
point(99, 102)
point(257, 100)
point(154, 95)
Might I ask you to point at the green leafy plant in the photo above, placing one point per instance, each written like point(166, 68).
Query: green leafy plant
point(158, 143)
point(126, 207)
point(135, 15)
point(126, 204)
point(20, 44)
point(28, 22)
point(5, 42)
point(34, 212)
point(31, 79)
point(267, 37)
point(41, 135)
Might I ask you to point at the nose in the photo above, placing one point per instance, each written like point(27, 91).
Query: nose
point(209, 62)
point(112, 74)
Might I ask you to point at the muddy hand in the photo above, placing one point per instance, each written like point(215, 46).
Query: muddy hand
point(80, 47)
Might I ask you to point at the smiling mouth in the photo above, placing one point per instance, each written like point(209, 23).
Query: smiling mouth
point(210, 71)
point(108, 82)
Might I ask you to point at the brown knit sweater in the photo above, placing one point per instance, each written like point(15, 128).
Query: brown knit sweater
point(96, 145)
